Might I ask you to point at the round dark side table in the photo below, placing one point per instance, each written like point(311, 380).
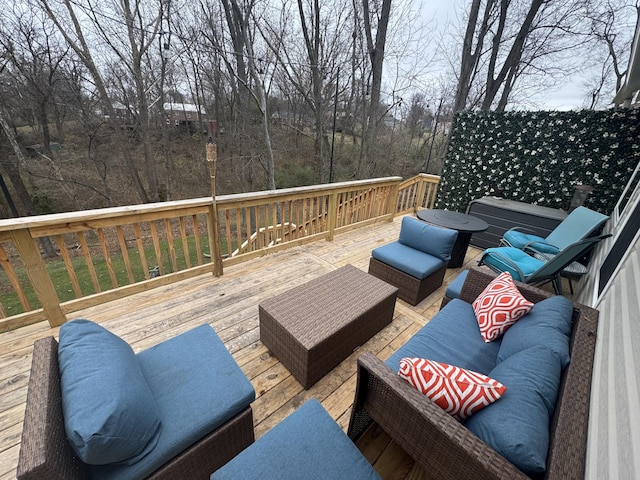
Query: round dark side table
point(466, 225)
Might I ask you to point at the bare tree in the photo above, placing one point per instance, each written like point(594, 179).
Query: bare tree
point(71, 29)
point(378, 19)
point(35, 60)
point(505, 40)
point(311, 69)
point(610, 24)
point(239, 20)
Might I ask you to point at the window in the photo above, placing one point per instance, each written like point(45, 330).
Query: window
point(623, 242)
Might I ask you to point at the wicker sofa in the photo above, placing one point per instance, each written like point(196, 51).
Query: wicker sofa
point(443, 445)
point(195, 359)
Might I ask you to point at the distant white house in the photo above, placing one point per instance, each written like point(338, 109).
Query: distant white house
point(188, 115)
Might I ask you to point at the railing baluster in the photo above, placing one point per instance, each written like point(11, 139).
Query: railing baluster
point(13, 278)
point(172, 247)
point(156, 247)
point(141, 252)
point(185, 245)
point(125, 253)
point(196, 238)
point(107, 257)
point(82, 241)
point(62, 248)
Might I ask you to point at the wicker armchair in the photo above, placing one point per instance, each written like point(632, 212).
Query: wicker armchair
point(45, 452)
point(445, 447)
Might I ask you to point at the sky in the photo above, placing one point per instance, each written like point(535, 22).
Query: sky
point(568, 93)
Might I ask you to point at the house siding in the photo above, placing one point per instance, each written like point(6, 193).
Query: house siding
point(614, 419)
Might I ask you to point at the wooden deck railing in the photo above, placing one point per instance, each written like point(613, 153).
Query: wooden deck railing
point(101, 255)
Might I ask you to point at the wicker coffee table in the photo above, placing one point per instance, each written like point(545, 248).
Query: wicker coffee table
point(315, 326)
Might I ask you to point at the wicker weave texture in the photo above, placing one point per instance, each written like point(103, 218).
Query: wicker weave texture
point(442, 445)
point(410, 289)
point(315, 326)
point(45, 453)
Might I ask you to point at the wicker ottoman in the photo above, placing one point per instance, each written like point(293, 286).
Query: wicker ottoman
point(315, 326)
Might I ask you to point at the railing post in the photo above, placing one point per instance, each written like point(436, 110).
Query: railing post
point(36, 271)
point(332, 215)
point(422, 187)
point(393, 199)
point(214, 227)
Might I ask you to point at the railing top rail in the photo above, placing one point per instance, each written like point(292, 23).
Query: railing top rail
point(129, 210)
point(429, 177)
point(327, 187)
point(97, 214)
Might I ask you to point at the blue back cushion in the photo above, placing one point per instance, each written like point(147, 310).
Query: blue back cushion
point(517, 425)
point(452, 337)
point(455, 287)
point(198, 386)
point(110, 414)
point(308, 444)
point(427, 238)
point(548, 324)
point(578, 225)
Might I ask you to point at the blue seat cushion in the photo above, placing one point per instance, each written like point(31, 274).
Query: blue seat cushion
point(517, 425)
point(197, 385)
point(436, 241)
point(455, 287)
point(519, 239)
point(451, 337)
point(548, 324)
point(504, 259)
point(408, 260)
point(110, 413)
point(308, 444)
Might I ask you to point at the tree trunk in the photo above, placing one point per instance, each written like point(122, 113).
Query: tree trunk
point(18, 185)
point(376, 56)
point(513, 58)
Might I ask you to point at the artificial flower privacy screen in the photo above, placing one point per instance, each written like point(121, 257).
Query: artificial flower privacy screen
point(539, 157)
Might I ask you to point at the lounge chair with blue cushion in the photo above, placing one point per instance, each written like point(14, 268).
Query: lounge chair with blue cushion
point(579, 224)
point(528, 269)
point(417, 262)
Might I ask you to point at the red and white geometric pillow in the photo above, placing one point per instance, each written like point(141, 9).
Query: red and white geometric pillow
point(499, 306)
point(457, 391)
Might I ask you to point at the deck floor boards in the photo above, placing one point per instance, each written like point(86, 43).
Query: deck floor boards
point(230, 305)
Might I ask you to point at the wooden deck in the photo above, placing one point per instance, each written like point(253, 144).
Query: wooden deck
point(230, 304)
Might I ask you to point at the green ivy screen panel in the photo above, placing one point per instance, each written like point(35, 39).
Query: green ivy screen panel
point(539, 157)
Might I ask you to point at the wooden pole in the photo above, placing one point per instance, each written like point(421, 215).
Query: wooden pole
point(214, 229)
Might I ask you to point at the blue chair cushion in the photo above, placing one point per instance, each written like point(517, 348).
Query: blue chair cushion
point(451, 337)
point(110, 414)
point(519, 239)
point(198, 387)
point(548, 325)
point(408, 260)
point(308, 444)
point(504, 259)
point(436, 241)
point(578, 225)
point(455, 287)
point(517, 425)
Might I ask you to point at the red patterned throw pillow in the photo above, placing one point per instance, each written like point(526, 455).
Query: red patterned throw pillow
point(457, 391)
point(499, 306)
